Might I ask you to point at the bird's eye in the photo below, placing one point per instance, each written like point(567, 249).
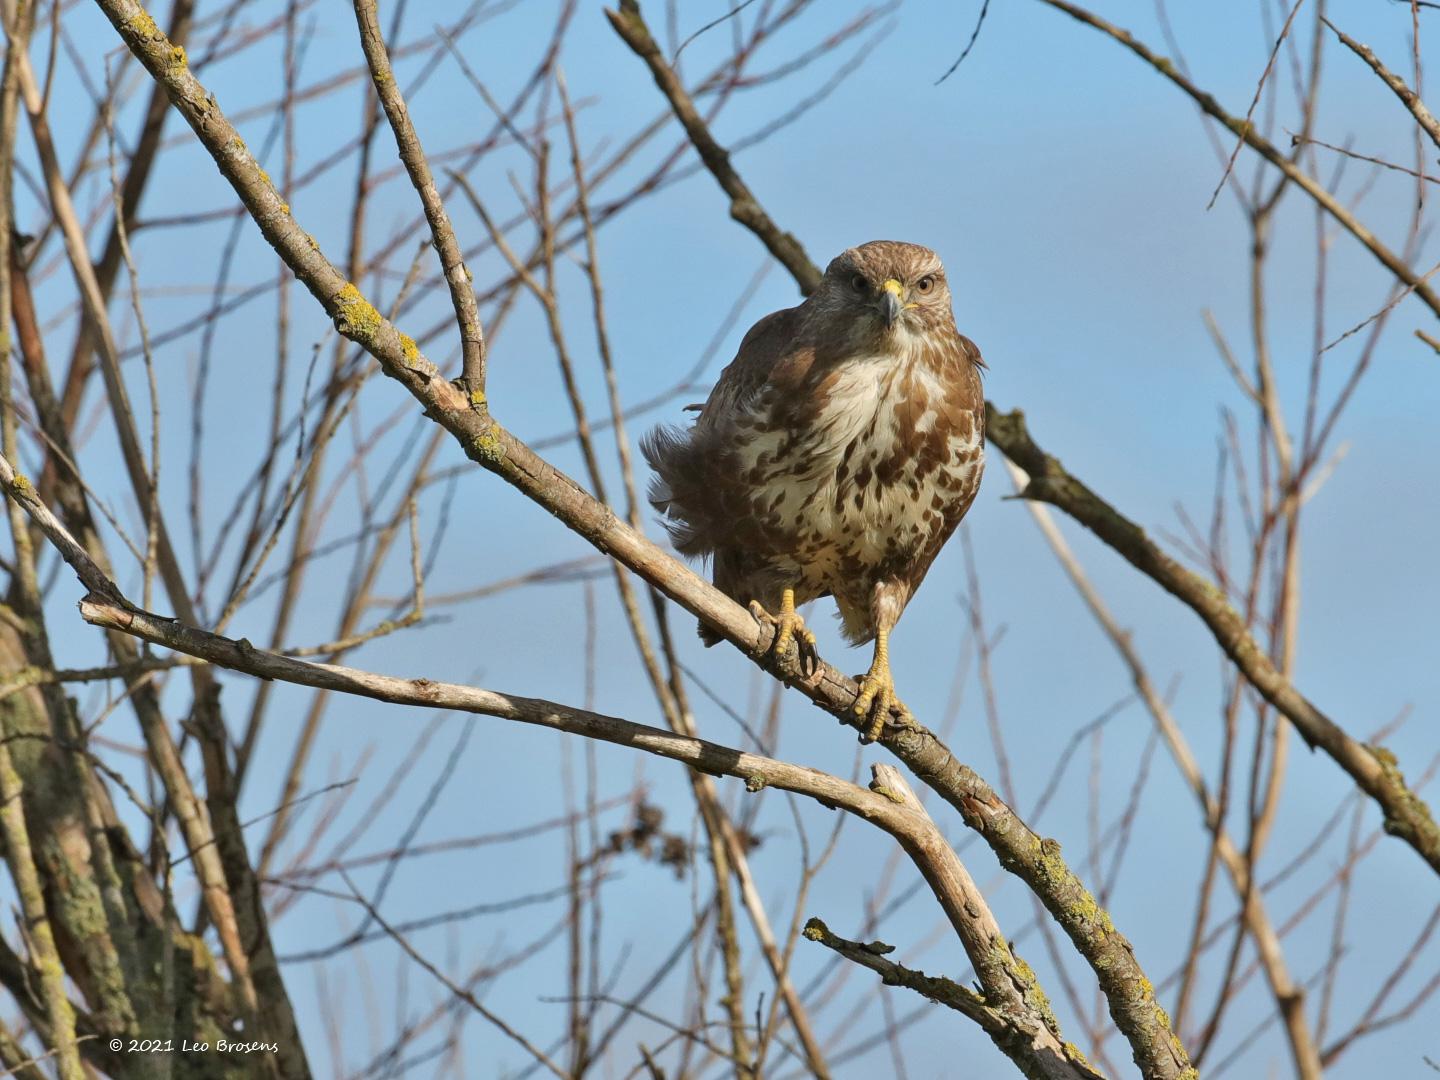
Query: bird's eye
point(858, 283)
point(925, 284)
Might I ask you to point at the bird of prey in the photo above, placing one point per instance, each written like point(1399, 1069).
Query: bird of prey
point(836, 454)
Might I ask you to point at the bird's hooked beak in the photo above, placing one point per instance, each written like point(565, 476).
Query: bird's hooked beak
point(892, 301)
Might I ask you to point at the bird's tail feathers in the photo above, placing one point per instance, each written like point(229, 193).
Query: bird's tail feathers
point(678, 467)
point(855, 626)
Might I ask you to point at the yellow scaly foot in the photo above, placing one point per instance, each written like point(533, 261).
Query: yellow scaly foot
point(789, 627)
point(877, 691)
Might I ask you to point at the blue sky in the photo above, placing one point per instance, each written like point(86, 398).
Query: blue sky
point(1065, 185)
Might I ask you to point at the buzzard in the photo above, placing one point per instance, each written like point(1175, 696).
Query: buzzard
point(835, 456)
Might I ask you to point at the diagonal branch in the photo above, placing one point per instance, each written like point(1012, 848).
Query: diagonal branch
point(1262, 146)
point(936, 988)
point(1409, 98)
point(1008, 984)
point(1020, 1021)
point(1378, 774)
point(1129, 995)
point(1289, 998)
point(744, 207)
point(1022, 1026)
point(230, 916)
point(452, 260)
point(1373, 768)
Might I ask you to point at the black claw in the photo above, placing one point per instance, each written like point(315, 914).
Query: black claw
point(809, 658)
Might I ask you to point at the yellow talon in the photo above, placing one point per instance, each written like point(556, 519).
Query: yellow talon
point(877, 691)
point(789, 628)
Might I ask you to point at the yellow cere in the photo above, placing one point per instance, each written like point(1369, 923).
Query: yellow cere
point(893, 286)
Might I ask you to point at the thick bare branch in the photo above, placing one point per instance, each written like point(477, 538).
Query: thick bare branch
point(1383, 779)
point(1027, 1030)
point(1021, 1022)
point(1289, 998)
point(43, 953)
point(1373, 768)
point(1129, 995)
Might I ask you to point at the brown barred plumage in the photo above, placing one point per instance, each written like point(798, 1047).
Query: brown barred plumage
point(838, 451)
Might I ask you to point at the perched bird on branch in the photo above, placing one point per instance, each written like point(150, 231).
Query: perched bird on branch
point(835, 456)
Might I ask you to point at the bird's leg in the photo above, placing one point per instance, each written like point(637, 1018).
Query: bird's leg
point(789, 627)
point(877, 689)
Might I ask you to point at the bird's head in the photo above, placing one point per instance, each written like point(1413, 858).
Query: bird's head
point(887, 292)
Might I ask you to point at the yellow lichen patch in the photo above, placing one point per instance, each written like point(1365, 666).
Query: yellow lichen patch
point(410, 349)
point(1075, 1054)
point(488, 447)
point(285, 208)
point(144, 27)
point(26, 676)
point(1032, 993)
point(355, 317)
point(22, 487)
point(177, 56)
point(477, 399)
point(1411, 816)
point(1084, 909)
point(1159, 1009)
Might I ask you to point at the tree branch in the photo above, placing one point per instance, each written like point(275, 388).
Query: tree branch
point(1261, 146)
point(1023, 1026)
point(936, 988)
point(452, 261)
point(1030, 1029)
point(744, 207)
point(1376, 771)
point(44, 956)
point(1409, 98)
point(1373, 768)
point(1289, 997)
point(1129, 994)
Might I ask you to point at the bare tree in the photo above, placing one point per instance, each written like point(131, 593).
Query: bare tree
point(179, 885)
